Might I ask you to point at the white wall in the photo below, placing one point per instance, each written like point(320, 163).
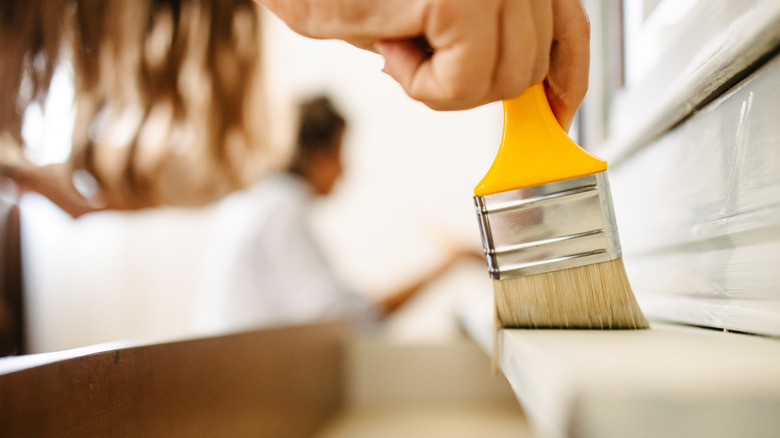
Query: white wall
point(407, 192)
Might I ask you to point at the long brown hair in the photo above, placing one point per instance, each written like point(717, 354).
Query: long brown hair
point(166, 91)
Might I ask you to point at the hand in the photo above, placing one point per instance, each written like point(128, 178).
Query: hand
point(474, 51)
point(55, 183)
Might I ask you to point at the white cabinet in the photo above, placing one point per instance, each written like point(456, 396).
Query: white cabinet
point(692, 134)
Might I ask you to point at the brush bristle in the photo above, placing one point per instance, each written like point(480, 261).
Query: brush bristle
point(596, 296)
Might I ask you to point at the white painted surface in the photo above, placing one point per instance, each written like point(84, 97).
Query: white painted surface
point(698, 212)
point(695, 54)
point(669, 381)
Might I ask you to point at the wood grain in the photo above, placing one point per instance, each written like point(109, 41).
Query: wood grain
point(11, 304)
point(281, 382)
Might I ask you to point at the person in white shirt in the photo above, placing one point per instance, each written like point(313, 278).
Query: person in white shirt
point(265, 267)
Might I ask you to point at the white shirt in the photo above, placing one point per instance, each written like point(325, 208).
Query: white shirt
point(264, 266)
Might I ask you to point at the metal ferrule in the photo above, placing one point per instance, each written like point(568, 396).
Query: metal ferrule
point(549, 227)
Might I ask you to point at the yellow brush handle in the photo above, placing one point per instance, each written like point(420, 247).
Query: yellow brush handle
point(534, 148)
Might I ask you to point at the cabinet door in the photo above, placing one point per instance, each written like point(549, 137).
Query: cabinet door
point(654, 62)
point(690, 128)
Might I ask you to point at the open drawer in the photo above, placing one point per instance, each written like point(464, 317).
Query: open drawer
point(319, 380)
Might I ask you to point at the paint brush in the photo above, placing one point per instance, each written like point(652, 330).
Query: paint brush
point(548, 228)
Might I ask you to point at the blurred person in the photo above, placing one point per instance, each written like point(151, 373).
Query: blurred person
point(265, 267)
point(168, 100)
point(165, 108)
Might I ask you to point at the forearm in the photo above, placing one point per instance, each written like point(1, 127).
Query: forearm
point(395, 300)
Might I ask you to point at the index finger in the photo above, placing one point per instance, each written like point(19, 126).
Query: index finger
point(351, 20)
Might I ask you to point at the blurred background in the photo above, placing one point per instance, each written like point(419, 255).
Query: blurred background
point(404, 200)
point(664, 75)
